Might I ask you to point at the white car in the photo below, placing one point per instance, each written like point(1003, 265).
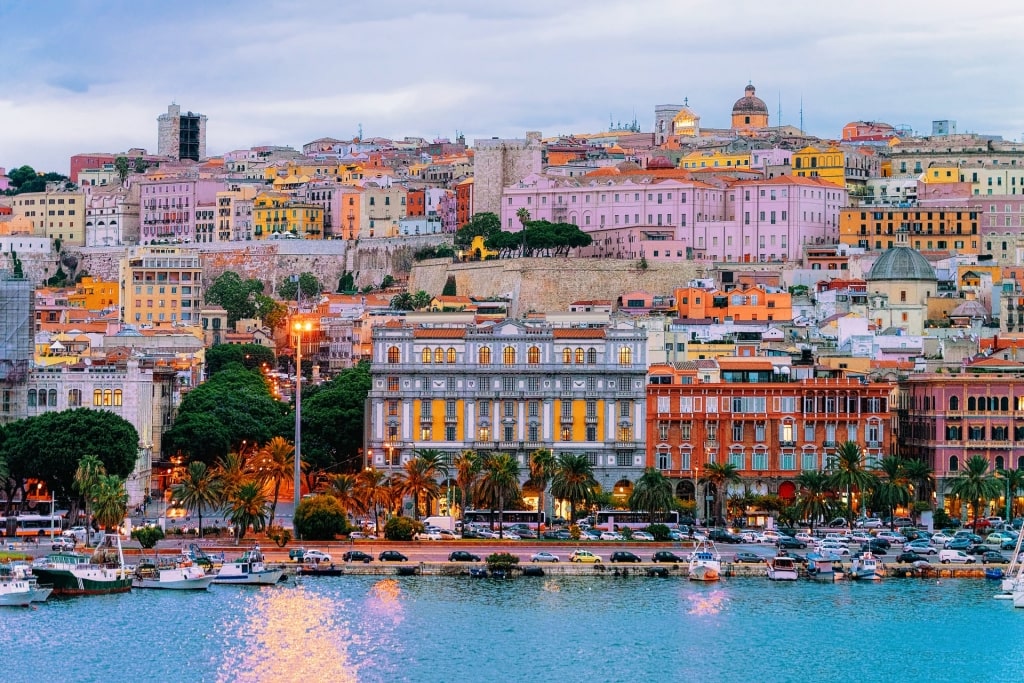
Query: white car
point(834, 548)
point(543, 556)
point(860, 536)
point(430, 535)
point(315, 556)
point(941, 538)
point(511, 535)
point(642, 536)
point(893, 537)
point(805, 537)
point(869, 523)
point(611, 536)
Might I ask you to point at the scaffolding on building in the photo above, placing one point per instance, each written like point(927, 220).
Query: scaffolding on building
point(16, 337)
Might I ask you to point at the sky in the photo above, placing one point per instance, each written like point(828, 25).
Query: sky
point(80, 76)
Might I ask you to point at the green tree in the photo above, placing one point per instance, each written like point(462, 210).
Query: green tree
point(421, 300)
point(574, 481)
point(320, 518)
point(249, 356)
point(1012, 483)
point(652, 493)
point(373, 492)
point(720, 476)
point(345, 490)
point(815, 500)
point(248, 508)
point(347, 282)
point(919, 474)
point(849, 473)
point(333, 419)
point(499, 483)
point(543, 466)
point(232, 471)
point(122, 168)
point(147, 536)
point(892, 488)
point(272, 312)
point(140, 165)
point(306, 283)
point(234, 295)
point(484, 223)
point(387, 281)
point(109, 501)
point(975, 484)
point(401, 529)
point(449, 287)
point(275, 463)
point(417, 478)
point(467, 469)
point(402, 302)
point(87, 476)
point(200, 488)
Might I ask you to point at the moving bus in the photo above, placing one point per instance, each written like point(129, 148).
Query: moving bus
point(633, 519)
point(32, 525)
point(532, 518)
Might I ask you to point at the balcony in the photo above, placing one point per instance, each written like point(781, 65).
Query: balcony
point(591, 419)
point(874, 444)
point(626, 445)
point(624, 394)
point(510, 445)
point(451, 419)
point(426, 419)
point(787, 443)
point(566, 420)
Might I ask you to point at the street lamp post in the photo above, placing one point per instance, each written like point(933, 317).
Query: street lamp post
point(299, 328)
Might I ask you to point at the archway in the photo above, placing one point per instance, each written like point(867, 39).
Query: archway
point(787, 492)
point(621, 492)
point(684, 490)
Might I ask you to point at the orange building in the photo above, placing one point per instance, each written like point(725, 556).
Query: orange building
point(464, 202)
point(416, 202)
point(929, 229)
point(749, 304)
point(95, 295)
point(755, 417)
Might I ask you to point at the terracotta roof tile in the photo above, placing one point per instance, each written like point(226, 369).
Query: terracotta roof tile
point(439, 332)
point(578, 333)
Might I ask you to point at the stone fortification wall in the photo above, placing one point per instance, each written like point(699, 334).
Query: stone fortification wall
point(374, 258)
point(551, 284)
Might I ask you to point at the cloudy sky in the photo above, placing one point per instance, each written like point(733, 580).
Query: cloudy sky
point(82, 76)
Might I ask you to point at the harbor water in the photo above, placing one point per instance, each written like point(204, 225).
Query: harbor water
point(372, 628)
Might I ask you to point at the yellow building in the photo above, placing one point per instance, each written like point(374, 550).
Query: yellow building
point(931, 229)
point(275, 213)
point(937, 175)
point(290, 173)
point(383, 208)
point(994, 181)
point(716, 159)
point(811, 162)
point(95, 295)
point(750, 113)
point(161, 284)
point(58, 215)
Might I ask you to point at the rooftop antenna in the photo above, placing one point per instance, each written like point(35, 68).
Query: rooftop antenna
point(778, 121)
point(801, 113)
point(360, 132)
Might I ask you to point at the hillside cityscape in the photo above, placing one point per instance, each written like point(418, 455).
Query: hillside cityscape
point(701, 292)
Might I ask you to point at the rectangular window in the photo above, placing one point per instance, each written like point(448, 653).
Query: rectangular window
point(760, 460)
point(592, 409)
point(759, 431)
point(485, 409)
point(449, 409)
point(591, 433)
point(684, 431)
point(738, 459)
point(567, 410)
point(450, 433)
point(508, 384)
point(809, 433)
point(664, 404)
point(737, 431)
point(787, 461)
point(533, 384)
point(533, 410)
point(508, 408)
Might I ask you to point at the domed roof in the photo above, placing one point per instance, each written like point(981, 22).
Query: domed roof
point(902, 263)
point(749, 103)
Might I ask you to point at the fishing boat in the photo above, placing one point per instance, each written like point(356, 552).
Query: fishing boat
point(866, 568)
point(705, 563)
point(73, 573)
point(23, 570)
point(249, 570)
point(14, 591)
point(820, 566)
point(782, 568)
point(176, 574)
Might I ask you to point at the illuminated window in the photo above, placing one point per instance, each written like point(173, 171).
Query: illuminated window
point(566, 434)
point(426, 356)
point(484, 434)
point(451, 355)
point(117, 397)
point(75, 398)
point(484, 356)
point(426, 433)
point(394, 355)
point(566, 356)
point(97, 397)
point(438, 355)
point(392, 384)
point(579, 356)
point(533, 355)
point(108, 396)
point(625, 434)
point(508, 356)
point(625, 355)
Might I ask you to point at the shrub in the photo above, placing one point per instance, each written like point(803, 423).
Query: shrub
point(659, 531)
point(147, 536)
point(320, 518)
point(280, 535)
point(574, 532)
point(502, 561)
point(401, 529)
point(627, 533)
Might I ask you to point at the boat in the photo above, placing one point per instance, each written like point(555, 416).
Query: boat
point(705, 562)
point(782, 568)
point(177, 574)
point(72, 573)
point(866, 568)
point(1013, 581)
point(820, 566)
point(23, 570)
point(249, 570)
point(15, 591)
point(994, 574)
point(320, 569)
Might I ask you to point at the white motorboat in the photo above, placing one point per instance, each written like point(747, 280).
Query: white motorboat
point(249, 570)
point(782, 568)
point(867, 567)
point(178, 574)
point(15, 591)
point(23, 570)
point(820, 566)
point(705, 563)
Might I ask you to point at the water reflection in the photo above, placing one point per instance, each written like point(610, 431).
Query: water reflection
point(286, 635)
point(707, 605)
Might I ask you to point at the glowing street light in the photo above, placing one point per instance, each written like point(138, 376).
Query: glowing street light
point(298, 327)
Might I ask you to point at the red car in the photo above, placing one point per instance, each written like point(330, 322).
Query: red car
point(981, 522)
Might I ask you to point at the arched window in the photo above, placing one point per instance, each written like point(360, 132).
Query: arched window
point(508, 355)
point(74, 398)
point(954, 403)
point(484, 355)
point(53, 397)
point(566, 356)
point(533, 355)
point(954, 463)
point(972, 404)
point(451, 355)
point(625, 355)
point(394, 355)
point(1020, 462)
point(108, 397)
point(32, 398)
point(579, 356)
point(591, 355)
point(999, 462)
point(117, 397)
point(426, 356)
point(97, 397)
point(438, 355)
point(1004, 404)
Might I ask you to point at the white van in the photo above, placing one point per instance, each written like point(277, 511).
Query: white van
point(957, 556)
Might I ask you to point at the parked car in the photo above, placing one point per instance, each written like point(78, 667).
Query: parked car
point(869, 523)
point(787, 542)
point(463, 556)
point(873, 546)
point(526, 533)
point(611, 536)
point(805, 537)
point(958, 544)
point(590, 535)
point(799, 559)
point(834, 548)
point(362, 535)
point(355, 556)
point(666, 556)
point(837, 523)
point(920, 547)
point(296, 554)
point(428, 535)
point(391, 556)
point(317, 556)
point(642, 536)
point(543, 556)
point(724, 536)
point(623, 556)
point(957, 556)
point(892, 537)
point(861, 536)
point(993, 556)
point(752, 558)
point(980, 523)
point(910, 556)
point(941, 538)
point(584, 556)
point(972, 537)
point(62, 543)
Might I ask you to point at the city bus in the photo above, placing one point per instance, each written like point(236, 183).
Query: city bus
point(32, 525)
point(532, 518)
point(633, 519)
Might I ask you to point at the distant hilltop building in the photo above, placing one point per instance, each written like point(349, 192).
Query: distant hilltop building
point(181, 136)
point(500, 163)
point(678, 126)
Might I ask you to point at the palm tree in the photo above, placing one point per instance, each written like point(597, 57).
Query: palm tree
point(199, 488)
point(437, 459)
point(248, 507)
point(850, 474)
point(87, 475)
point(1013, 483)
point(720, 475)
point(573, 481)
point(975, 485)
point(232, 471)
point(345, 488)
point(418, 477)
point(274, 463)
point(421, 300)
point(402, 302)
point(372, 492)
point(893, 488)
point(542, 468)
point(498, 484)
point(523, 215)
point(652, 493)
point(815, 499)
point(109, 500)
point(467, 469)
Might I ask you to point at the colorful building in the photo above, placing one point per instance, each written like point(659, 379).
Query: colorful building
point(56, 214)
point(946, 229)
point(161, 284)
point(751, 304)
point(277, 214)
point(95, 295)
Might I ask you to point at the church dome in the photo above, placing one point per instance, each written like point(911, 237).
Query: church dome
point(902, 263)
point(749, 103)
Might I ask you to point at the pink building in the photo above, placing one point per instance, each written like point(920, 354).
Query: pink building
point(168, 207)
point(633, 215)
point(5, 182)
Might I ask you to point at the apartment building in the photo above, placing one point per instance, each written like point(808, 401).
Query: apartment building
point(161, 284)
